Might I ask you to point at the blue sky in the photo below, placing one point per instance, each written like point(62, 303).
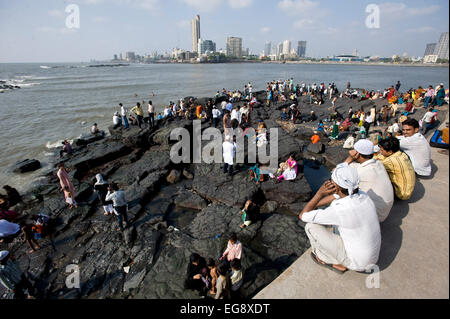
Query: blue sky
point(34, 31)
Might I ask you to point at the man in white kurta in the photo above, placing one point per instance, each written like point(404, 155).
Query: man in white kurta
point(228, 150)
point(352, 212)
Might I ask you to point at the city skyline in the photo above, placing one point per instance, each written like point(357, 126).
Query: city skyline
point(36, 32)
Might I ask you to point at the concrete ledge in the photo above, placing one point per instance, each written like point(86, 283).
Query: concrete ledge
point(414, 259)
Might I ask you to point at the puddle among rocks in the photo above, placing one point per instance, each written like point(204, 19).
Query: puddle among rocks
point(316, 174)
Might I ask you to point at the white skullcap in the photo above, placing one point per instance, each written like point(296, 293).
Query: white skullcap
point(3, 254)
point(227, 138)
point(364, 147)
point(346, 177)
point(376, 149)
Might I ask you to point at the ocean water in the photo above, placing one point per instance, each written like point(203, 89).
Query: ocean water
point(62, 101)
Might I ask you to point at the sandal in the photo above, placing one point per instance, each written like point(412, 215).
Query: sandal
point(329, 266)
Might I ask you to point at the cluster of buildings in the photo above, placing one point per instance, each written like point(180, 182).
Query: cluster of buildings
point(284, 51)
point(206, 50)
point(437, 51)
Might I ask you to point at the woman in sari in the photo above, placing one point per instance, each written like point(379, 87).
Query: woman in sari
point(335, 131)
point(64, 181)
point(290, 173)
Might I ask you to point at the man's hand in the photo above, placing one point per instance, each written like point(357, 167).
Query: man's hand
point(327, 189)
point(349, 159)
point(197, 276)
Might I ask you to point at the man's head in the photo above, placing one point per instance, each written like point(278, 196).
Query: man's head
point(410, 127)
point(362, 151)
point(235, 264)
point(389, 146)
point(233, 238)
point(195, 259)
point(346, 179)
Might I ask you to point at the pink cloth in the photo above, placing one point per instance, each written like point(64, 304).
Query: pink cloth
point(64, 181)
point(292, 164)
point(233, 251)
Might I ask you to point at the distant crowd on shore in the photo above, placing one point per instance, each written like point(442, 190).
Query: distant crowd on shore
point(358, 197)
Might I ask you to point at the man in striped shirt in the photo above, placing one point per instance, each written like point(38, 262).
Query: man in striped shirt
point(233, 251)
point(399, 168)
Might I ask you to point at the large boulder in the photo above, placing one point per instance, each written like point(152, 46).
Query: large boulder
point(27, 165)
point(190, 200)
point(287, 192)
point(317, 148)
point(211, 183)
point(89, 138)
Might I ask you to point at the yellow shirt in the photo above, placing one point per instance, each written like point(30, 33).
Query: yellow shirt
point(401, 173)
point(137, 110)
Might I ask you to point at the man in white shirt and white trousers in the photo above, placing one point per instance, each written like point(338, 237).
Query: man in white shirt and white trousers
point(352, 212)
point(228, 150)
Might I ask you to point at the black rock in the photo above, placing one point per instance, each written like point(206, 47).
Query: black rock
point(26, 165)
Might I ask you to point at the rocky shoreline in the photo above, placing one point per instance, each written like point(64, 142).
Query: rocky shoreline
point(175, 209)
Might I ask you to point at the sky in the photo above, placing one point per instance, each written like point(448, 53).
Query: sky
point(36, 31)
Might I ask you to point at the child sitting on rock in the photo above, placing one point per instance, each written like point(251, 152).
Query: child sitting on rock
point(212, 266)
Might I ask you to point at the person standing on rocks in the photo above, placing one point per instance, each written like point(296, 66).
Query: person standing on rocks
point(139, 114)
point(64, 181)
point(124, 113)
point(229, 151)
point(101, 187)
point(151, 114)
point(117, 196)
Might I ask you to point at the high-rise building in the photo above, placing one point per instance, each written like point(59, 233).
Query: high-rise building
point(247, 52)
point(115, 57)
point(195, 27)
point(234, 47)
point(121, 57)
point(267, 48)
point(286, 47)
point(431, 49)
point(279, 49)
point(442, 49)
point(301, 49)
point(206, 46)
point(130, 56)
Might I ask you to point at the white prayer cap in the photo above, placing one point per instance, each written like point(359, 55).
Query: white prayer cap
point(227, 138)
point(364, 147)
point(3, 254)
point(376, 149)
point(346, 177)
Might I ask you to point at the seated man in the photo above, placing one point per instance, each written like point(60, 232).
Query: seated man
point(249, 213)
point(195, 271)
point(416, 147)
point(95, 130)
point(357, 246)
point(315, 138)
point(374, 180)
point(399, 168)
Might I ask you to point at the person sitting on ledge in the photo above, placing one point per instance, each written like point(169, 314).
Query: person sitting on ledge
point(399, 167)
point(94, 129)
point(196, 268)
point(356, 246)
point(12, 195)
point(290, 172)
point(117, 120)
point(315, 138)
point(233, 251)
point(416, 146)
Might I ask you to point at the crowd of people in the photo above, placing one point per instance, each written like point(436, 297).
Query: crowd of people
point(359, 196)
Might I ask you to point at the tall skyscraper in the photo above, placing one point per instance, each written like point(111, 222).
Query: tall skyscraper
point(431, 49)
point(287, 47)
point(234, 47)
point(195, 27)
point(301, 49)
point(206, 45)
point(130, 56)
point(267, 48)
point(279, 49)
point(442, 50)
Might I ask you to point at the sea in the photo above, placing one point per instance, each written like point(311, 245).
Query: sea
point(58, 101)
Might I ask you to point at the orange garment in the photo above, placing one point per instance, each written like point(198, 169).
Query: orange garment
point(445, 135)
point(199, 111)
point(315, 138)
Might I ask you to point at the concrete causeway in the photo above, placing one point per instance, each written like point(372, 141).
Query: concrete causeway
point(414, 258)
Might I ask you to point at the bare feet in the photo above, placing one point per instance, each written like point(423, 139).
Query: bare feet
point(338, 267)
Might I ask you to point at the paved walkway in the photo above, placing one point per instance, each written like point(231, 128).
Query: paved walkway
point(414, 259)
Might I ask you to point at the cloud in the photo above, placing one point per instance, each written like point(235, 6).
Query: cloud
point(99, 19)
point(265, 29)
point(183, 24)
point(238, 4)
point(56, 13)
point(45, 29)
point(150, 5)
point(400, 9)
point(203, 5)
point(298, 7)
point(424, 29)
point(308, 14)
